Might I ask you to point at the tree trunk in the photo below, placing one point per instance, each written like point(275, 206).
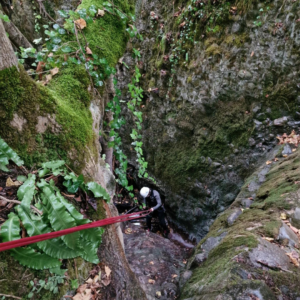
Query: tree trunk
point(124, 284)
point(16, 36)
point(8, 58)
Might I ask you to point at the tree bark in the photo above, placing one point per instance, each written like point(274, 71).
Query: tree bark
point(8, 58)
point(16, 36)
point(124, 284)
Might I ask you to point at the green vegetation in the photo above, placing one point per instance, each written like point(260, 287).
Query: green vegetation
point(54, 213)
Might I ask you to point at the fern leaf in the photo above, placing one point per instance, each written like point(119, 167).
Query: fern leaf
point(10, 231)
point(55, 247)
point(26, 191)
point(90, 252)
point(53, 165)
point(92, 234)
point(60, 218)
point(98, 190)
point(6, 151)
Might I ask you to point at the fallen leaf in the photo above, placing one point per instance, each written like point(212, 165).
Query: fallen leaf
point(252, 53)
point(107, 271)
point(293, 259)
point(128, 231)
point(174, 275)
point(283, 216)
point(268, 239)
point(151, 263)
point(80, 23)
point(54, 71)
point(158, 294)
point(50, 54)
point(268, 162)
point(88, 50)
point(96, 278)
point(285, 155)
point(10, 183)
point(89, 281)
point(294, 150)
point(182, 24)
point(100, 13)
point(85, 295)
point(151, 281)
point(81, 288)
point(275, 159)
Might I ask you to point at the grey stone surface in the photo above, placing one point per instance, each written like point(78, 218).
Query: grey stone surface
point(268, 255)
point(246, 202)
point(280, 121)
point(286, 233)
point(234, 215)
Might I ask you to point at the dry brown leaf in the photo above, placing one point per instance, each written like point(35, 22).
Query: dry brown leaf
point(158, 294)
point(96, 278)
point(88, 50)
point(275, 159)
point(182, 24)
point(293, 259)
point(252, 53)
point(100, 13)
point(89, 281)
point(80, 23)
point(151, 281)
point(285, 155)
point(268, 162)
point(268, 239)
point(50, 54)
point(81, 288)
point(10, 183)
point(107, 271)
point(54, 71)
point(128, 231)
point(85, 295)
point(151, 263)
point(174, 275)
point(283, 216)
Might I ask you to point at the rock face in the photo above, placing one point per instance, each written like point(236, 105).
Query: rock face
point(258, 256)
point(233, 90)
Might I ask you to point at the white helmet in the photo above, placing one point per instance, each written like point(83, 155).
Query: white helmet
point(144, 192)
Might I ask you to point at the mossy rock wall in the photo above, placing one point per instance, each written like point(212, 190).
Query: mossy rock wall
point(246, 253)
point(207, 131)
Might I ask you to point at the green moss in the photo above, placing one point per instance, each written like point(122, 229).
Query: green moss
point(272, 228)
point(213, 49)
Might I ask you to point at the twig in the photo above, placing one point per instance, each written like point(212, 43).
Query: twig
point(10, 296)
point(19, 202)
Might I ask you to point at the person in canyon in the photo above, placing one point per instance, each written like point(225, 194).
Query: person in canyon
point(153, 201)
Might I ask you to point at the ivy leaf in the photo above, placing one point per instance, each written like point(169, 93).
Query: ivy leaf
point(63, 14)
point(66, 49)
point(98, 190)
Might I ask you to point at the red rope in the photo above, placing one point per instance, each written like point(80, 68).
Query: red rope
point(47, 236)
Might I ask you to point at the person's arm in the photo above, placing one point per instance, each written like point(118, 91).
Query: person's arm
point(157, 197)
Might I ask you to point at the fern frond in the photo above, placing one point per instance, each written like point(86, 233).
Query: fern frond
point(60, 218)
point(90, 252)
point(26, 191)
point(6, 153)
point(10, 231)
point(55, 247)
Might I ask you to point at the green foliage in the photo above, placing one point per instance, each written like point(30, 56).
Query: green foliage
point(6, 154)
point(5, 18)
point(58, 214)
point(51, 284)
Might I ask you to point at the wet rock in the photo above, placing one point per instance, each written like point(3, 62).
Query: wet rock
point(244, 74)
point(268, 255)
point(251, 142)
point(280, 121)
point(246, 202)
point(199, 259)
point(212, 242)
point(216, 164)
point(185, 276)
point(286, 234)
point(287, 150)
point(234, 216)
point(296, 217)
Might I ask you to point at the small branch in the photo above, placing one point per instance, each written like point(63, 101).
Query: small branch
point(10, 296)
point(19, 202)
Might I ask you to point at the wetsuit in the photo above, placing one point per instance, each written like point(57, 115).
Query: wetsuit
point(154, 201)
